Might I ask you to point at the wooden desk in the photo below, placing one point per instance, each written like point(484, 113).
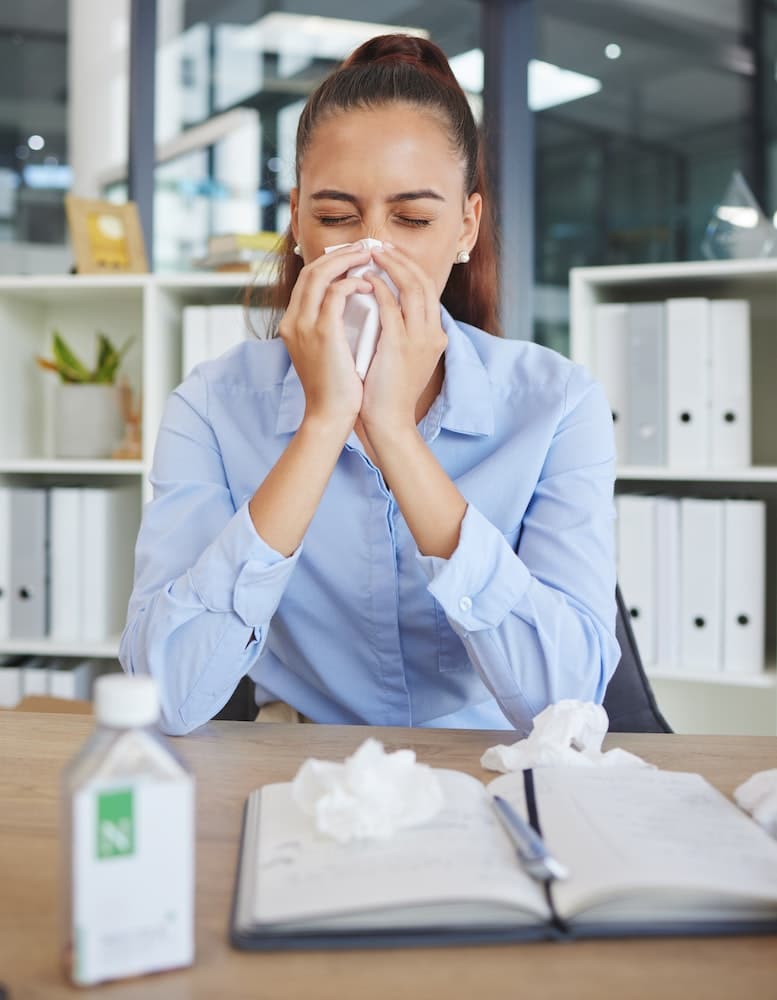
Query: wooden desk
point(229, 760)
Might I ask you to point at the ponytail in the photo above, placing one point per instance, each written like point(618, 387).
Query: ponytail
point(403, 68)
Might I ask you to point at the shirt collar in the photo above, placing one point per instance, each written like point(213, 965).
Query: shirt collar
point(464, 406)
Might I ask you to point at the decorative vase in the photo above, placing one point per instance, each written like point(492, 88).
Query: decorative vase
point(87, 421)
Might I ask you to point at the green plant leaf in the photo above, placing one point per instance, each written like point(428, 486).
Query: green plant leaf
point(70, 367)
point(109, 359)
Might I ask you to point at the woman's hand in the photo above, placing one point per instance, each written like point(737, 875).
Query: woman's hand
point(410, 346)
point(312, 330)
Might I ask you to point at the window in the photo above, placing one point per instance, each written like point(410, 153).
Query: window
point(231, 83)
point(34, 169)
point(631, 172)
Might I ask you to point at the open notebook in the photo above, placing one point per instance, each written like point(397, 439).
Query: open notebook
point(649, 853)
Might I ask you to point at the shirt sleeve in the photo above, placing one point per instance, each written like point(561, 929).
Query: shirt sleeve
point(538, 622)
point(205, 581)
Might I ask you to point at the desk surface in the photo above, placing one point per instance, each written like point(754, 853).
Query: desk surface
point(230, 759)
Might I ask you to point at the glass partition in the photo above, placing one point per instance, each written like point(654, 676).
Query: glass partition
point(631, 171)
point(34, 166)
point(232, 79)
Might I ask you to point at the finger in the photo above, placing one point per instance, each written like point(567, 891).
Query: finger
point(390, 311)
point(315, 278)
point(334, 301)
point(417, 293)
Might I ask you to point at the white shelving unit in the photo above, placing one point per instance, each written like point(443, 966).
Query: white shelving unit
point(714, 702)
point(147, 308)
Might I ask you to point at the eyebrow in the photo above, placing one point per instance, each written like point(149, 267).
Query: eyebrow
point(331, 194)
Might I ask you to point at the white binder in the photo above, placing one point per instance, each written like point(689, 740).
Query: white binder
point(745, 586)
point(667, 581)
point(35, 676)
point(195, 342)
point(226, 327)
point(72, 679)
point(636, 568)
point(730, 400)
point(110, 520)
point(611, 367)
point(701, 584)
point(646, 384)
point(29, 562)
point(10, 685)
point(688, 382)
point(65, 557)
point(5, 562)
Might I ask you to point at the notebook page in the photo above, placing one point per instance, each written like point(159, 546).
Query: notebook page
point(647, 843)
point(460, 855)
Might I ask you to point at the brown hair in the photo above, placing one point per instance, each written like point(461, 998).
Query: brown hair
point(413, 70)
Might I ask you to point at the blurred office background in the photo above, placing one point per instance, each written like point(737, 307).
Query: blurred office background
point(638, 112)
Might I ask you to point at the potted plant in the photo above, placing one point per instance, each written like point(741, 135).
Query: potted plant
point(88, 422)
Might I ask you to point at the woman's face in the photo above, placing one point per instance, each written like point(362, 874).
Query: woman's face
point(388, 173)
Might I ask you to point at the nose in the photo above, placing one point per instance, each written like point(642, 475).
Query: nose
point(374, 224)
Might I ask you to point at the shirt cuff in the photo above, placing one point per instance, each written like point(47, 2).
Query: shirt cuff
point(239, 572)
point(482, 581)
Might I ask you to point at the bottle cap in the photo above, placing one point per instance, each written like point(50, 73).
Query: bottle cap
point(123, 701)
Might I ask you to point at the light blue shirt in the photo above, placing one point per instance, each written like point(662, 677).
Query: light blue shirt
point(357, 626)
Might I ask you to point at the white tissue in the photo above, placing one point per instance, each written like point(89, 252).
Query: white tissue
point(569, 732)
point(361, 317)
point(758, 796)
point(371, 795)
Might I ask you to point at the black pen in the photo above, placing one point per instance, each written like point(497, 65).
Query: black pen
point(533, 853)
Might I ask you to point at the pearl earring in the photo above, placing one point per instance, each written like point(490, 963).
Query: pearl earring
point(462, 257)
point(298, 249)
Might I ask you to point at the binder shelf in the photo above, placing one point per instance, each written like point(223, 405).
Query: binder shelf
point(687, 354)
point(61, 616)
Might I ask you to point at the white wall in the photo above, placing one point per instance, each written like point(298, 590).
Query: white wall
point(98, 74)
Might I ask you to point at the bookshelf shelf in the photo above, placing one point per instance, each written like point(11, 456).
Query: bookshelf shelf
point(68, 467)
point(146, 309)
point(721, 701)
point(750, 474)
point(767, 679)
point(107, 649)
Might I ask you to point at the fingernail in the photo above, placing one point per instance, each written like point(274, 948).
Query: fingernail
point(389, 246)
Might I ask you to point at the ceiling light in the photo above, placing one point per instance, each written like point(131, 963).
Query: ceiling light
point(613, 50)
point(468, 69)
point(36, 142)
point(549, 85)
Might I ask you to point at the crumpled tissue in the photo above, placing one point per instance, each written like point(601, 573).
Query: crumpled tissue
point(569, 732)
point(361, 317)
point(371, 795)
point(758, 796)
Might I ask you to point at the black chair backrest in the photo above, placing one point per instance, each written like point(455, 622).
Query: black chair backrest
point(629, 700)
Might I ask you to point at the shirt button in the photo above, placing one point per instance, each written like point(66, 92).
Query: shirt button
point(465, 603)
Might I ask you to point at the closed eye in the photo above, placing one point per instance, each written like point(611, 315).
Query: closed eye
point(335, 220)
point(413, 222)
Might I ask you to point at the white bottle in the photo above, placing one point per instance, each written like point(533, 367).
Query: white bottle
point(128, 812)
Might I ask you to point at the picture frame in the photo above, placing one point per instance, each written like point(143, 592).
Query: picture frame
point(106, 238)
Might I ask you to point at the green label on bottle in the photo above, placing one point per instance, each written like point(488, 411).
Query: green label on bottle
point(115, 824)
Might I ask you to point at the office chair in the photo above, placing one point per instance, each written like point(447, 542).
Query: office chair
point(629, 699)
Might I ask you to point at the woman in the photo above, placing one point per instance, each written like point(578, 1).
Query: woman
point(431, 547)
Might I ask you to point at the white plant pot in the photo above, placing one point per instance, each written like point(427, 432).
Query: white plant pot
point(87, 421)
